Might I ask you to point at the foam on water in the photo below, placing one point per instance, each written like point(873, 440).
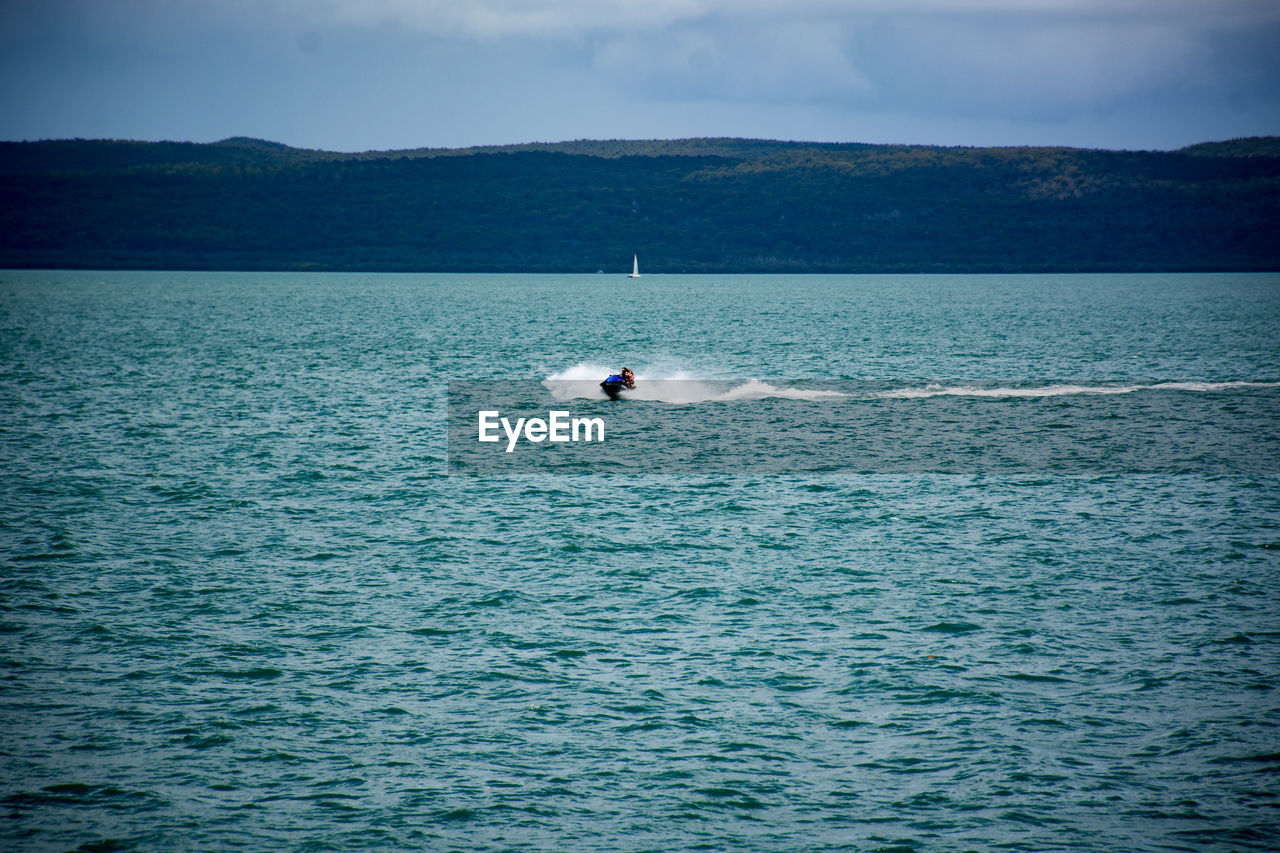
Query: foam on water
point(934, 390)
point(754, 389)
point(678, 385)
point(672, 385)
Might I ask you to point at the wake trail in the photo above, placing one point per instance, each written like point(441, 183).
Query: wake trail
point(675, 386)
point(1063, 390)
point(679, 386)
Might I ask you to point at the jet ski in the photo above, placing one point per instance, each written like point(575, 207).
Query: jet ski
point(614, 385)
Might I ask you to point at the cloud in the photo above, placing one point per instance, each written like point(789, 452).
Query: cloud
point(491, 19)
point(1000, 66)
point(791, 62)
point(981, 57)
point(969, 69)
point(495, 19)
point(575, 18)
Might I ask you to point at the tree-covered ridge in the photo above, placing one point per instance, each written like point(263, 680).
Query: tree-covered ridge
point(695, 205)
point(100, 155)
point(1252, 146)
point(240, 152)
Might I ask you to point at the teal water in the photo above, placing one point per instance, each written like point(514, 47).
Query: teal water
point(245, 605)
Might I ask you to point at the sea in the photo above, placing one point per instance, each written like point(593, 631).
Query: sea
point(865, 563)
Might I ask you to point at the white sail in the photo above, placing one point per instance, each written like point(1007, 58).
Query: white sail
point(635, 267)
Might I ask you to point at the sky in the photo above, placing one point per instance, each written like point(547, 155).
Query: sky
point(357, 75)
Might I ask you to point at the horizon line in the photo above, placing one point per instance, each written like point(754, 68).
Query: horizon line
point(250, 141)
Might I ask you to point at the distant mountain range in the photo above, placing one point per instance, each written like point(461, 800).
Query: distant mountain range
point(693, 205)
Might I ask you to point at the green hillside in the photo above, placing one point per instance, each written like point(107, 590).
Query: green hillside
point(688, 205)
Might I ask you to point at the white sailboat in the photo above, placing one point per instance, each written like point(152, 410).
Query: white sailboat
point(635, 267)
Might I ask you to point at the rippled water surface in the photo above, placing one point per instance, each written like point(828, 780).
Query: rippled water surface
point(245, 605)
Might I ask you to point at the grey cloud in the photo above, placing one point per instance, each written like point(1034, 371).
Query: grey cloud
point(1018, 64)
point(903, 70)
point(791, 62)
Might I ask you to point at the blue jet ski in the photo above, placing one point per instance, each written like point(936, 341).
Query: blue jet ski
point(614, 385)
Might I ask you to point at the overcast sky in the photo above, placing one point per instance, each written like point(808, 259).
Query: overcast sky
point(354, 75)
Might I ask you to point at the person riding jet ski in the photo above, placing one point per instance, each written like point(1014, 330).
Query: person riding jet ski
point(614, 385)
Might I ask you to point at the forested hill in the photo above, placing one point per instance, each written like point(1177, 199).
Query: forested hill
point(696, 205)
